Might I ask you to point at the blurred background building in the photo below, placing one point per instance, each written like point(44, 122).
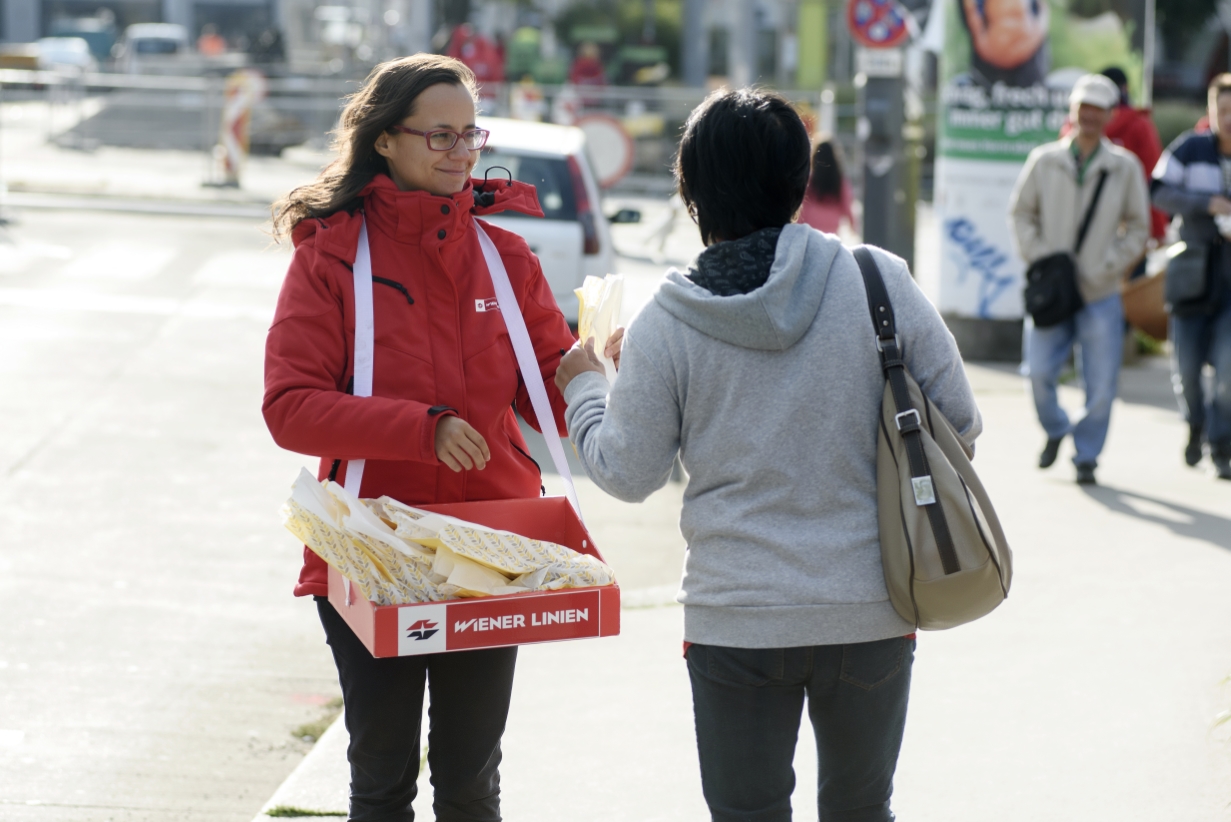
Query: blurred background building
point(694, 39)
point(645, 62)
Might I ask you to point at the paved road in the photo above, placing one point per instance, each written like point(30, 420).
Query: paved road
point(152, 660)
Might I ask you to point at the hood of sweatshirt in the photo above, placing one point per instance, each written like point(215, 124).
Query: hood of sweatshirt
point(772, 317)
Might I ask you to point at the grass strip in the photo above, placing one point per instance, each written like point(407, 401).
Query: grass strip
point(288, 811)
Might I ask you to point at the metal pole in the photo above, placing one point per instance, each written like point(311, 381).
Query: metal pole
point(696, 44)
point(1147, 57)
point(4, 189)
point(743, 45)
point(888, 195)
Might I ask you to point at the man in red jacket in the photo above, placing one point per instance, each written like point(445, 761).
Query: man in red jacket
point(1133, 128)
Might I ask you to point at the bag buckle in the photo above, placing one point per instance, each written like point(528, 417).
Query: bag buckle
point(915, 425)
point(880, 344)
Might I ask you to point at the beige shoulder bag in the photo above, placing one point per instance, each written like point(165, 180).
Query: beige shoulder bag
point(945, 556)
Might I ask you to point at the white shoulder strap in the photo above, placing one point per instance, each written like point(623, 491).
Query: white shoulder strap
point(365, 334)
point(527, 362)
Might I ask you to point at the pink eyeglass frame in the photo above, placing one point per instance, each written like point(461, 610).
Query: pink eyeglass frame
point(427, 136)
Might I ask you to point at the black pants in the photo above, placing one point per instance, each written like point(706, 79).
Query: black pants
point(468, 706)
point(748, 704)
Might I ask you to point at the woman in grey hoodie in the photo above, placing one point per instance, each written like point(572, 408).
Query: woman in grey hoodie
point(759, 367)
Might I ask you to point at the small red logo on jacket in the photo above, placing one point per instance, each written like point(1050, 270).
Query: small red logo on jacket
point(486, 305)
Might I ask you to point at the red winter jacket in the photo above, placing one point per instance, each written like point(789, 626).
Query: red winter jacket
point(441, 348)
point(1133, 129)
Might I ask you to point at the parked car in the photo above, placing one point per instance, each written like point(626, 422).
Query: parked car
point(573, 239)
point(164, 48)
point(99, 31)
point(150, 43)
point(65, 53)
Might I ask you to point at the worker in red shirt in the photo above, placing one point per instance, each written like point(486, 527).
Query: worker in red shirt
point(587, 68)
point(481, 55)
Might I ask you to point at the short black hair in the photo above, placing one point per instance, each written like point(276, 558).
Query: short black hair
point(1116, 75)
point(743, 163)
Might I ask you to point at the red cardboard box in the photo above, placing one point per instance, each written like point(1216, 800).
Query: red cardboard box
point(496, 621)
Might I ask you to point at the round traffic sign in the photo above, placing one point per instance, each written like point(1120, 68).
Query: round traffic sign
point(611, 149)
point(877, 24)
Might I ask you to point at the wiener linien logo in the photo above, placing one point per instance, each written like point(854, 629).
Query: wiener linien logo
point(423, 629)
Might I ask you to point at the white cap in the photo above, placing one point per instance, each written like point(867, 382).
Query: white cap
point(1095, 90)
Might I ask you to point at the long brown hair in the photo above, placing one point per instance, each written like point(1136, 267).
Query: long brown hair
point(387, 97)
point(827, 176)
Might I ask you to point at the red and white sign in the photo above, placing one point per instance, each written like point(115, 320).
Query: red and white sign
point(878, 24)
point(490, 622)
point(611, 148)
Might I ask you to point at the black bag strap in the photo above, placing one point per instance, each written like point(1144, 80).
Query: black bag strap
point(907, 417)
point(1085, 222)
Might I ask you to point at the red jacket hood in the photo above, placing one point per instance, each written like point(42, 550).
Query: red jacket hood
point(411, 214)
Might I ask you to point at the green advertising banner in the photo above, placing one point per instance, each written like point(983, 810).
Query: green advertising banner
point(1006, 71)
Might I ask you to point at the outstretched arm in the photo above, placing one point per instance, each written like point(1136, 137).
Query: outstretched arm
point(627, 440)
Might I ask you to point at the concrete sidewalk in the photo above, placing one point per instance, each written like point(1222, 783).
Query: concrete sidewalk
point(1091, 694)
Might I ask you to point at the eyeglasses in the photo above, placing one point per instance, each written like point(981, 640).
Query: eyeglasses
point(441, 139)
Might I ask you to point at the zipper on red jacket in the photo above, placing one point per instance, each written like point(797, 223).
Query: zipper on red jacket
point(395, 284)
point(542, 487)
point(386, 281)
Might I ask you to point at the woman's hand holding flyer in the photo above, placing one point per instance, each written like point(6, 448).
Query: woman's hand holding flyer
point(598, 315)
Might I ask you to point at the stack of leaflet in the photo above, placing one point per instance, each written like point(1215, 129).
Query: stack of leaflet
point(599, 303)
point(396, 554)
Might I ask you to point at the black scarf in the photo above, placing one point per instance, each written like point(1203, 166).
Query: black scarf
point(736, 266)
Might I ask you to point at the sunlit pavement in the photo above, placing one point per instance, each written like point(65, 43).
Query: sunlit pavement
point(153, 662)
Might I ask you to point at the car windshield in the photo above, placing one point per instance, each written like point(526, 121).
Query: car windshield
point(150, 45)
point(549, 175)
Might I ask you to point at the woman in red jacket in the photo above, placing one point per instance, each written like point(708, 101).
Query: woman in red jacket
point(439, 424)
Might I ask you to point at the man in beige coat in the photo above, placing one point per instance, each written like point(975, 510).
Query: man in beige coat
point(1052, 195)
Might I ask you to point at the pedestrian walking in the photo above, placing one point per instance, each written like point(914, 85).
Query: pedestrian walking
point(1133, 128)
point(1193, 180)
point(828, 199)
point(1085, 199)
point(439, 425)
point(759, 367)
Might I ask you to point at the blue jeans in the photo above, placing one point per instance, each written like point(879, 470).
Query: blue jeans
point(748, 703)
point(1098, 331)
point(1195, 342)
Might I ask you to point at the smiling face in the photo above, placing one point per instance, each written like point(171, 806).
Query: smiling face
point(414, 166)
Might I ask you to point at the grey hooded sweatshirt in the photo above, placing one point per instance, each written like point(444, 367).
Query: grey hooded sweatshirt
point(771, 398)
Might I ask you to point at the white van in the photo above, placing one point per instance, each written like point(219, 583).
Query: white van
point(573, 240)
point(145, 45)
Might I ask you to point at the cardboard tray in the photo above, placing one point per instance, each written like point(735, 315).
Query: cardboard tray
point(496, 621)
